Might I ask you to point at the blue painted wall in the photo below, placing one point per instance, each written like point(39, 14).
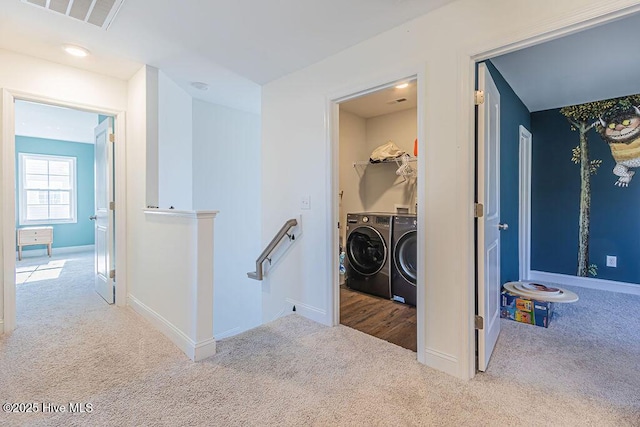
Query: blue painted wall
point(64, 235)
point(513, 114)
point(555, 198)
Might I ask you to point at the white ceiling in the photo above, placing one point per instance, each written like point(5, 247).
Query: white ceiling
point(51, 122)
point(595, 64)
point(383, 102)
point(233, 45)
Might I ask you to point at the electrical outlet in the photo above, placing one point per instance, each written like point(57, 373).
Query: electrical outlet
point(612, 261)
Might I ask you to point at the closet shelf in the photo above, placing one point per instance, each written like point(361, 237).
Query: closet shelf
point(397, 160)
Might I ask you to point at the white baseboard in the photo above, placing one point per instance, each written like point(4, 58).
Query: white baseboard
point(310, 312)
point(204, 349)
point(194, 351)
point(442, 361)
point(585, 282)
point(26, 253)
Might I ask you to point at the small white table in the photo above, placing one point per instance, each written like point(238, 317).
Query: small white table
point(35, 236)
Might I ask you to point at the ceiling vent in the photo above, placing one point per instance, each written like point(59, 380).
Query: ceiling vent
point(95, 12)
point(396, 101)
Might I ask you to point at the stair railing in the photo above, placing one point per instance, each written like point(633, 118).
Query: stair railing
point(284, 231)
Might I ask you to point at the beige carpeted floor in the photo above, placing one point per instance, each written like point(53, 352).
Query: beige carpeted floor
point(71, 347)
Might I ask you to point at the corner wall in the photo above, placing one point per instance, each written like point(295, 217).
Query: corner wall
point(175, 145)
point(352, 186)
point(385, 189)
point(226, 177)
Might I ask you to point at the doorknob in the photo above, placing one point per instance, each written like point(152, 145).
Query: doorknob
point(93, 217)
point(503, 226)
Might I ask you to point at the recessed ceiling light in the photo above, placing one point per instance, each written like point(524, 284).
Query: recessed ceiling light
point(200, 85)
point(402, 86)
point(78, 51)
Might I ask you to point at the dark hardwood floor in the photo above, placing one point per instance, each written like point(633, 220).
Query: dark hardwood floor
point(382, 318)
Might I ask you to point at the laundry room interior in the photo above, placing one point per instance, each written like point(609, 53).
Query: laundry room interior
point(378, 207)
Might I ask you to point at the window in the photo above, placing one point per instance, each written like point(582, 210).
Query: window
point(47, 189)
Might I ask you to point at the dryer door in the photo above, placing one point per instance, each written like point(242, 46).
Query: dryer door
point(405, 256)
point(366, 250)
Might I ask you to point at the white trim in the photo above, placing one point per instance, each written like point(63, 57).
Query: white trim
point(194, 350)
point(179, 213)
point(26, 253)
point(441, 361)
point(332, 129)
point(8, 216)
point(524, 197)
point(8, 209)
point(588, 17)
point(585, 282)
point(310, 312)
point(120, 215)
point(333, 206)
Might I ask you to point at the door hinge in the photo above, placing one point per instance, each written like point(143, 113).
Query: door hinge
point(112, 138)
point(112, 274)
point(479, 322)
point(478, 210)
point(478, 97)
point(112, 206)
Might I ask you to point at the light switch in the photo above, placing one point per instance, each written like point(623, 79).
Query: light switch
point(305, 202)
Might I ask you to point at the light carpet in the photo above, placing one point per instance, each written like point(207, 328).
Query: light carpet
point(72, 347)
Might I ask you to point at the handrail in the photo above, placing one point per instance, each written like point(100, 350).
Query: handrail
point(258, 275)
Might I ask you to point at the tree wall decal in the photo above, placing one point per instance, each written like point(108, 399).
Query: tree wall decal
point(618, 122)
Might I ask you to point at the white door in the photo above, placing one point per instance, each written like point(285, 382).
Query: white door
point(489, 224)
point(524, 213)
point(103, 216)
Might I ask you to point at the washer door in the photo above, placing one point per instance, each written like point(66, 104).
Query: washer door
point(366, 250)
point(405, 256)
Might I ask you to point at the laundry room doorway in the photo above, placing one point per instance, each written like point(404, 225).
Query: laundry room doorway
point(377, 180)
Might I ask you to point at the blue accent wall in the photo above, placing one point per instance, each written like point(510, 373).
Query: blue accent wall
point(555, 198)
point(82, 232)
point(513, 114)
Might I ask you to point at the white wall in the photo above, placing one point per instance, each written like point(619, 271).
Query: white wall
point(137, 177)
point(295, 138)
point(226, 177)
point(175, 154)
point(32, 76)
point(178, 268)
point(384, 189)
point(353, 148)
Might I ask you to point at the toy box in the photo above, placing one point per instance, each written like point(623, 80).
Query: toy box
point(525, 310)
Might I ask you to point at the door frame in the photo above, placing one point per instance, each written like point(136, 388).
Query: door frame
point(8, 216)
point(589, 18)
point(332, 124)
point(524, 195)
